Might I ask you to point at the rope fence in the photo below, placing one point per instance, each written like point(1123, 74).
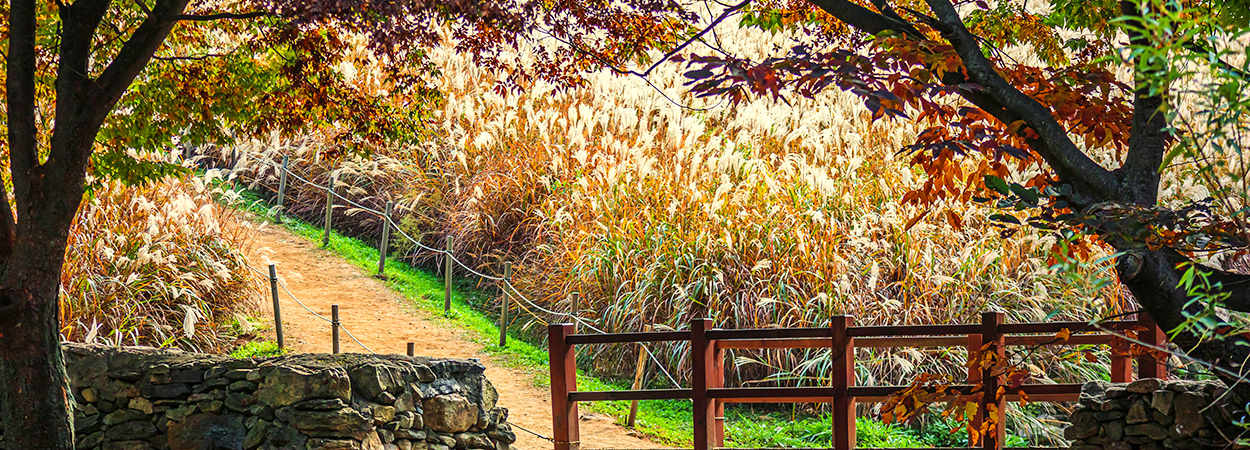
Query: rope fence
point(509, 290)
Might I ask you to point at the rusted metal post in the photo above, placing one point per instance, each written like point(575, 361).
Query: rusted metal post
point(1148, 365)
point(702, 352)
point(325, 238)
point(843, 378)
point(992, 405)
point(334, 327)
point(447, 257)
point(412, 349)
point(506, 301)
point(386, 240)
point(563, 364)
point(282, 189)
point(277, 309)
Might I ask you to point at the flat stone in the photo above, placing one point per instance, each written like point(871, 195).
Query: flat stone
point(90, 395)
point(256, 434)
point(371, 380)
point(1161, 401)
point(477, 441)
point(383, 414)
point(342, 423)
point(287, 386)
point(141, 404)
point(130, 431)
point(208, 432)
point(1138, 412)
point(127, 445)
point(505, 434)
point(450, 413)
point(333, 444)
point(1144, 386)
point(1151, 430)
point(1189, 406)
point(1114, 431)
point(160, 391)
point(322, 404)
point(122, 416)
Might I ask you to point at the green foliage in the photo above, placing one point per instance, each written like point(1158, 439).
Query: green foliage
point(257, 349)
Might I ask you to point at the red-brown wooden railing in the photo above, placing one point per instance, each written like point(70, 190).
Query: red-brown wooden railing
point(708, 345)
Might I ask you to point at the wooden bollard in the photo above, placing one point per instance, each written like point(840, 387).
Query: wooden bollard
point(506, 301)
point(277, 309)
point(412, 349)
point(325, 239)
point(334, 327)
point(386, 235)
point(447, 277)
point(281, 189)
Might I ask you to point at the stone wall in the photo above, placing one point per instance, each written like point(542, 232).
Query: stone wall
point(1150, 414)
point(144, 398)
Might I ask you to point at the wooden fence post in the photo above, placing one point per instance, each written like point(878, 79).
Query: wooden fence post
point(325, 239)
point(505, 303)
point(843, 352)
point(447, 277)
point(334, 327)
point(992, 405)
point(412, 349)
point(639, 371)
point(563, 364)
point(386, 237)
point(282, 188)
point(974, 374)
point(277, 309)
point(702, 351)
point(718, 381)
point(1121, 364)
point(1148, 365)
point(575, 304)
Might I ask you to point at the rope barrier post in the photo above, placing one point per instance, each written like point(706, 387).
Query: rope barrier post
point(563, 364)
point(386, 236)
point(325, 238)
point(447, 258)
point(638, 374)
point(974, 374)
point(505, 303)
point(702, 351)
point(1148, 365)
point(334, 327)
point(277, 309)
point(843, 378)
point(575, 304)
point(412, 349)
point(281, 189)
point(993, 406)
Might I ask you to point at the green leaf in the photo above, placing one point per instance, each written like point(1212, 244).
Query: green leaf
point(997, 184)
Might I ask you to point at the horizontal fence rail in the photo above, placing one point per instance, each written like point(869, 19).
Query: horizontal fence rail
point(709, 395)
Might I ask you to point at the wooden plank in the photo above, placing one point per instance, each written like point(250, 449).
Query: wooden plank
point(1076, 339)
point(563, 363)
point(786, 394)
point(1055, 327)
point(991, 323)
point(843, 374)
point(616, 338)
point(1147, 365)
point(652, 394)
point(767, 333)
point(915, 342)
point(702, 352)
point(915, 330)
point(775, 343)
point(974, 346)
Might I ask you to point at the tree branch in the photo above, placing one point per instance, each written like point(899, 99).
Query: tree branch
point(863, 18)
point(1061, 154)
point(20, 109)
point(1148, 136)
point(220, 16)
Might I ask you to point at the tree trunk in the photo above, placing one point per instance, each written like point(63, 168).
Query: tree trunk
point(34, 396)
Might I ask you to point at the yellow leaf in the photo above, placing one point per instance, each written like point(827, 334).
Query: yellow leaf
point(1063, 335)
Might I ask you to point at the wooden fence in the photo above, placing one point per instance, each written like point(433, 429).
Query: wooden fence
point(707, 347)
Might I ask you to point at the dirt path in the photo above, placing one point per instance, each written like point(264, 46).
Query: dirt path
point(383, 320)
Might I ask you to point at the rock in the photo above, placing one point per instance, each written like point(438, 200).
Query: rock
point(383, 414)
point(445, 386)
point(141, 404)
point(1114, 431)
point(424, 374)
point(286, 437)
point(1138, 412)
point(1119, 445)
point(1116, 392)
point(333, 444)
point(447, 440)
point(403, 444)
point(1144, 386)
point(174, 390)
point(342, 423)
point(92, 440)
point(237, 374)
point(372, 442)
point(1151, 430)
point(1115, 404)
point(1189, 406)
point(450, 413)
point(386, 436)
point(1086, 447)
point(506, 435)
point(122, 416)
point(240, 402)
point(86, 423)
point(130, 431)
point(409, 433)
point(90, 395)
point(211, 407)
point(1106, 416)
point(180, 413)
point(256, 435)
point(242, 386)
point(287, 386)
point(473, 441)
point(188, 376)
point(208, 432)
point(1161, 401)
point(127, 445)
point(371, 380)
point(331, 404)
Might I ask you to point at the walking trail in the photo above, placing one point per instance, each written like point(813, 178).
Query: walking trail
point(384, 321)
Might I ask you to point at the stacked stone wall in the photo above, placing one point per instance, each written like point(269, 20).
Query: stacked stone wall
point(143, 398)
point(1151, 414)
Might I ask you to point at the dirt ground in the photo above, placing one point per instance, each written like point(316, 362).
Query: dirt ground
point(383, 321)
